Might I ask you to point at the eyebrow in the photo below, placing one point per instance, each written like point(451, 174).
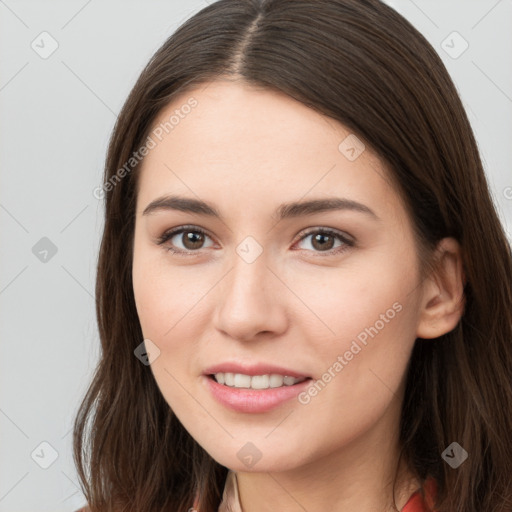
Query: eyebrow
point(284, 211)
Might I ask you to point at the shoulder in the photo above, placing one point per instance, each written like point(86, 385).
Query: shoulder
point(423, 499)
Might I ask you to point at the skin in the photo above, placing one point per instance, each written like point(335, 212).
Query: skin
point(246, 150)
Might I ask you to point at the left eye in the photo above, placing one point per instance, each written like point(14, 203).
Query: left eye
point(325, 238)
point(322, 241)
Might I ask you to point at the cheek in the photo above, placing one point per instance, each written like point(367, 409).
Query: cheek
point(367, 332)
point(164, 312)
point(343, 302)
point(335, 304)
point(159, 290)
point(169, 301)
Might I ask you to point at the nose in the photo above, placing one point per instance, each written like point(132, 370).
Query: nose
point(251, 301)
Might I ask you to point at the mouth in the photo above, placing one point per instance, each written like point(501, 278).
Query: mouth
point(256, 382)
point(255, 393)
point(255, 387)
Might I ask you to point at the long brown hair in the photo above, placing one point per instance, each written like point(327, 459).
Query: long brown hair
point(364, 65)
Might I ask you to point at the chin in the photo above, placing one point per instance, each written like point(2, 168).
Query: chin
point(253, 457)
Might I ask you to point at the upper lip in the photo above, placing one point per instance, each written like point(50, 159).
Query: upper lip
point(252, 369)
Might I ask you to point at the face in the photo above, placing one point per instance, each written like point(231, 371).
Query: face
point(327, 293)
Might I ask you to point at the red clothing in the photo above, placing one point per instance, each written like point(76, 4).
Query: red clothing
point(231, 500)
point(416, 503)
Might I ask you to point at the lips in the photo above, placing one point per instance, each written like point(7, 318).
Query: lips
point(253, 369)
point(253, 388)
point(252, 401)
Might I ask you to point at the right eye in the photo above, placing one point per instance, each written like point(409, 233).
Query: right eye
point(192, 242)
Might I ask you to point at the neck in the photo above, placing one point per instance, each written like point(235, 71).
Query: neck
point(358, 476)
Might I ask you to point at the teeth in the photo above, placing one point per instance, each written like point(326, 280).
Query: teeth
point(276, 381)
point(229, 379)
point(259, 381)
point(289, 381)
point(239, 380)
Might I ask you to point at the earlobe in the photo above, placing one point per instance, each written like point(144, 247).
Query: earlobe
point(443, 292)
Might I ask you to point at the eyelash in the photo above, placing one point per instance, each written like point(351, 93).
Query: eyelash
point(194, 229)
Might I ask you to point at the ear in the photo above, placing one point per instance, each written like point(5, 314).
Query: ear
point(443, 298)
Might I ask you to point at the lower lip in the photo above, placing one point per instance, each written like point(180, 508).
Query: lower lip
point(253, 400)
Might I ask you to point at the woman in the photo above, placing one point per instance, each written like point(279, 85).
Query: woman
point(334, 331)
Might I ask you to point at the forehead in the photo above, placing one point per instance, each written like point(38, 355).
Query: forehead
point(256, 143)
point(235, 118)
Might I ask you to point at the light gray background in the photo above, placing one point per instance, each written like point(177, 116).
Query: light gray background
point(57, 115)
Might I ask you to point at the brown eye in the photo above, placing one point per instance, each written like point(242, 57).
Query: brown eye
point(324, 240)
point(192, 239)
point(184, 239)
